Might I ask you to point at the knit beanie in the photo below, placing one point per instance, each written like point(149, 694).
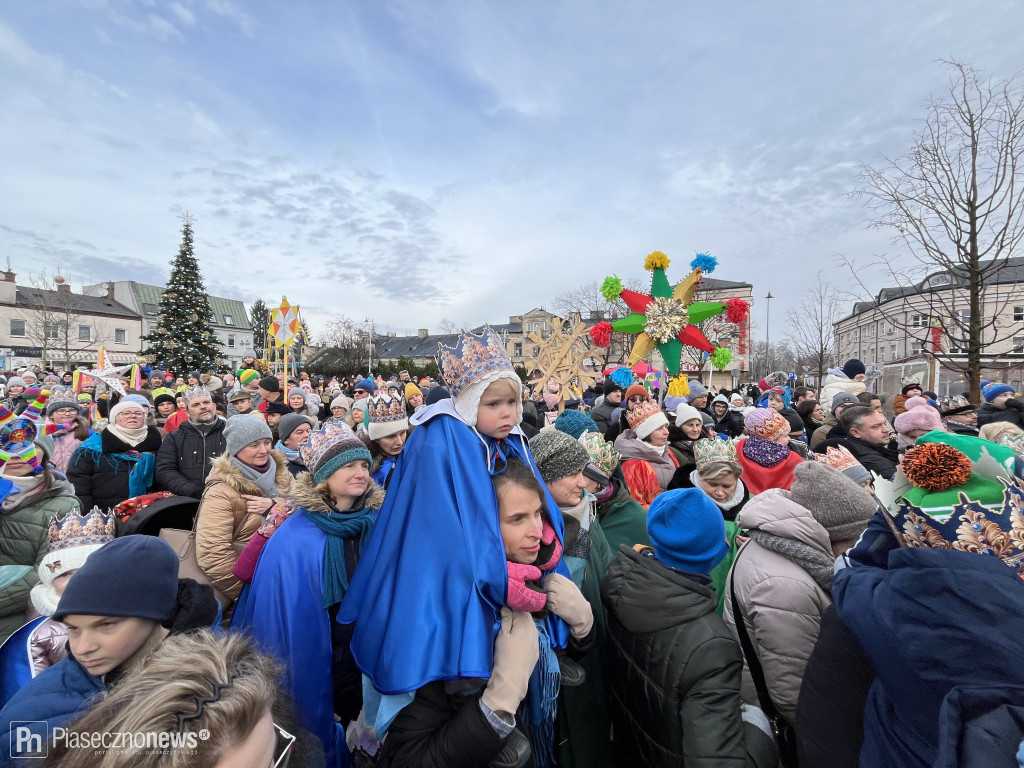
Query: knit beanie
point(696, 390)
point(575, 423)
point(645, 418)
point(687, 530)
point(270, 384)
point(766, 423)
point(411, 390)
point(994, 390)
point(241, 430)
point(854, 367)
point(436, 394)
point(366, 385)
point(343, 401)
point(277, 407)
point(289, 424)
point(147, 563)
point(685, 413)
point(610, 385)
point(910, 386)
point(15, 381)
point(636, 389)
point(557, 455)
point(330, 448)
point(248, 376)
point(61, 398)
point(841, 506)
point(165, 398)
point(796, 424)
point(919, 415)
point(144, 400)
point(124, 405)
point(844, 398)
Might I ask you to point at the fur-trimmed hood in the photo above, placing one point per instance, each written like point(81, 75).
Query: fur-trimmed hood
point(222, 469)
point(303, 494)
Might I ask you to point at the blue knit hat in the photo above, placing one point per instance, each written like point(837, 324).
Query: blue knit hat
point(696, 390)
point(366, 385)
point(994, 390)
point(687, 530)
point(98, 588)
point(575, 423)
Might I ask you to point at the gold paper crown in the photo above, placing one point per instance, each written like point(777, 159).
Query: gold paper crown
point(641, 413)
point(838, 458)
point(713, 449)
point(473, 357)
point(602, 454)
point(75, 530)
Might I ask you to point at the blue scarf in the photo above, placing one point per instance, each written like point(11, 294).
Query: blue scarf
point(140, 477)
point(541, 705)
point(339, 526)
point(287, 452)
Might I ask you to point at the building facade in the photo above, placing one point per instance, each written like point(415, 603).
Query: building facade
point(228, 319)
point(63, 329)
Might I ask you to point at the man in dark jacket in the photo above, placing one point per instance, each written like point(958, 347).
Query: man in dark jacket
point(602, 414)
point(183, 461)
point(867, 438)
point(675, 667)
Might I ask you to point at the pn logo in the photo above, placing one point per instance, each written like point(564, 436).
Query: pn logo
point(29, 738)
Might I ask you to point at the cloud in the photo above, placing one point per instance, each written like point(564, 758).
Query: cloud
point(183, 14)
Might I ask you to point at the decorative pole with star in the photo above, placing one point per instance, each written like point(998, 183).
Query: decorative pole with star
point(666, 318)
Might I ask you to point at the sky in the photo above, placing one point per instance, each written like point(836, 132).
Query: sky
point(409, 162)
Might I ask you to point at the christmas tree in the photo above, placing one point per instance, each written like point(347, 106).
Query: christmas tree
point(183, 341)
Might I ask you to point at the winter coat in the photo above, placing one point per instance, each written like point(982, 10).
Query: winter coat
point(880, 459)
point(102, 477)
point(836, 382)
point(941, 629)
point(223, 520)
point(758, 479)
point(781, 603)
point(184, 459)
point(23, 530)
point(1012, 413)
point(830, 712)
point(674, 671)
point(623, 519)
point(64, 445)
point(602, 415)
point(639, 460)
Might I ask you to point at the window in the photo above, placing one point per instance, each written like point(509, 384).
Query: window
point(881, 352)
point(228, 320)
point(894, 352)
point(120, 336)
point(916, 347)
point(85, 333)
point(517, 350)
point(231, 341)
point(213, 317)
point(1018, 343)
point(918, 321)
point(17, 327)
point(1018, 314)
point(53, 331)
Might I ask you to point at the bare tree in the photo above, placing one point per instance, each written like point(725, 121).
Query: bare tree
point(587, 303)
point(956, 201)
point(447, 326)
point(346, 347)
point(812, 328)
point(782, 357)
point(54, 320)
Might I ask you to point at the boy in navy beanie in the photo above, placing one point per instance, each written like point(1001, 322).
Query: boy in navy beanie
point(118, 607)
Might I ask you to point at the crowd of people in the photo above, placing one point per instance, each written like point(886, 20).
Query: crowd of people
point(473, 571)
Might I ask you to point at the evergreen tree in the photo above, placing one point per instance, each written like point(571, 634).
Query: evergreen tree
point(183, 341)
point(259, 319)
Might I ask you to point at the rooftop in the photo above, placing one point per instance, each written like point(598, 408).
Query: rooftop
point(94, 305)
point(148, 297)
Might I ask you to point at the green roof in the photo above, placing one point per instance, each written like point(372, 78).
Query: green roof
point(150, 294)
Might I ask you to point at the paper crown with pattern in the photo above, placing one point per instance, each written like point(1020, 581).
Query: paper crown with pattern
point(838, 458)
point(602, 453)
point(18, 433)
point(387, 415)
point(709, 450)
point(191, 393)
point(641, 412)
point(76, 530)
point(472, 358)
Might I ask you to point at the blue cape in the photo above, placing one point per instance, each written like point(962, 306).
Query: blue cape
point(427, 595)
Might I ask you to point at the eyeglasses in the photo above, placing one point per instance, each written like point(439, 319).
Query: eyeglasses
point(283, 747)
point(66, 411)
point(636, 399)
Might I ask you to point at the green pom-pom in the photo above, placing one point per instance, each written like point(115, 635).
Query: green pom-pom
point(721, 357)
point(611, 288)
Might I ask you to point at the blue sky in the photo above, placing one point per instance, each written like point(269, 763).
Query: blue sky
point(412, 161)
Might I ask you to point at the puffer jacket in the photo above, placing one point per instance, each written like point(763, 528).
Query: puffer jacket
point(835, 382)
point(185, 459)
point(988, 413)
point(23, 527)
point(223, 520)
point(781, 603)
point(101, 478)
point(675, 671)
point(602, 415)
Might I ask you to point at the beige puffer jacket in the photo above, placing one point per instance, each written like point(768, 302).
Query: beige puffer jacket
point(224, 520)
point(781, 603)
point(833, 385)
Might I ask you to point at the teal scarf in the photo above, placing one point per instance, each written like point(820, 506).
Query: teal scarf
point(339, 526)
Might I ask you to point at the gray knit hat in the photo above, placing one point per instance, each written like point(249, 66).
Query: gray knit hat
point(841, 506)
point(557, 455)
point(289, 423)
point(243, 429)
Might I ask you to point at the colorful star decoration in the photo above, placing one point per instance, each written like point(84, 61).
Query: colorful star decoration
point(667, 317)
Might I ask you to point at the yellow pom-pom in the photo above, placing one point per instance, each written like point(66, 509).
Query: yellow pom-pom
point(678, 387)
point(656, 260)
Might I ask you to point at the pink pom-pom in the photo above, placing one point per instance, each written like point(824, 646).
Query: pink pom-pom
point(602, 333)
point(736, 311)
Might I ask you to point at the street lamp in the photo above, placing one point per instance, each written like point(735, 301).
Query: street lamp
point(369, 349)
point(767, 334)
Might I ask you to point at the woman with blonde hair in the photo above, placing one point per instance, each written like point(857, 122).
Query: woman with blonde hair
point(195, 684)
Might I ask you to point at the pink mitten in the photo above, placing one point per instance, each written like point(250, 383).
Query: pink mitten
point(521, 597)
point(278, 514)
point(546, 537)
